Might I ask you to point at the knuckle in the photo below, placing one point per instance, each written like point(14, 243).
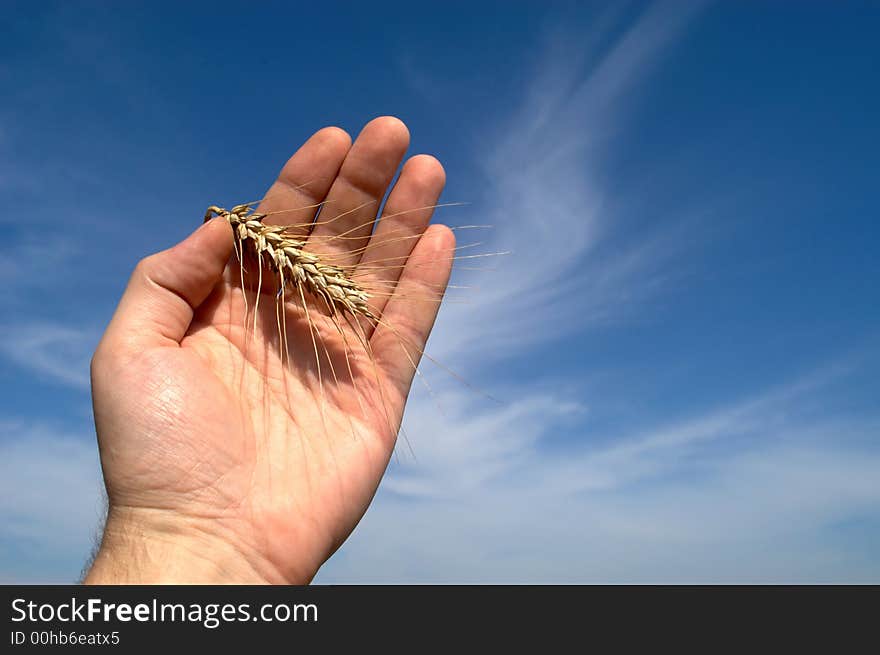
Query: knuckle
point(146, 268)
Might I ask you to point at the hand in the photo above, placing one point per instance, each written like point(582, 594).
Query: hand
point(224, 460)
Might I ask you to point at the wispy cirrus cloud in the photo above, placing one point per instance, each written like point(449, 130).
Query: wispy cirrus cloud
point(50, 501)
point(545, 198)
point(774, 486)
point(52, 351)
point(751, 489)
point(746, 492)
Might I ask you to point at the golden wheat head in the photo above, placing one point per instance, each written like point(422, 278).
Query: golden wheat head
point(295, 266)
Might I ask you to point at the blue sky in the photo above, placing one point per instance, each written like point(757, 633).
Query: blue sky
point(685, 339)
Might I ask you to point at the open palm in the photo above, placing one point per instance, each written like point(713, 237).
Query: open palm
point(245, 444)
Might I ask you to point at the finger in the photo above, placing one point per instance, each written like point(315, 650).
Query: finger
point(305, 179)
point(346, 220)
point(166, 288)
point(400, 338)
point(404, 219)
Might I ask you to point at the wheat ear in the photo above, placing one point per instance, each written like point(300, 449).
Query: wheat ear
point(296, 266)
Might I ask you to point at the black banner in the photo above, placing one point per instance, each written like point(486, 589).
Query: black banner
point(415, 617)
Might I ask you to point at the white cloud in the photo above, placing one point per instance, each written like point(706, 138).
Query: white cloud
point(738, 494)
point(546, 204)
point(745, 492)
point(55, 351)
point(50, 501)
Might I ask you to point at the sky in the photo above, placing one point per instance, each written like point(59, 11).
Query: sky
point(682, 345)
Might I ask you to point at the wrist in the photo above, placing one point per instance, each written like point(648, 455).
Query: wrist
point(157, 547)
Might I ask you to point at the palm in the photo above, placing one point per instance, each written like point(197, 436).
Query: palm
point(278, 431)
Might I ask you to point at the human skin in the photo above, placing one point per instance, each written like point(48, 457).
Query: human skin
point(224, 462)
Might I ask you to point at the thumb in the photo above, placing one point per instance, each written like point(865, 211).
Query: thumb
point(166, 288)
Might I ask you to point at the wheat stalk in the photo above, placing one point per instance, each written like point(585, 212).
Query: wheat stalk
point(309, 274)
point(293, 264)
point(338, 288)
